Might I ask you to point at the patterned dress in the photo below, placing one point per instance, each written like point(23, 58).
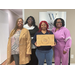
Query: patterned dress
point(15, 43)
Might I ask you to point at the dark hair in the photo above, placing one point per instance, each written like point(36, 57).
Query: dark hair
point(33, 23)
point(63, 22)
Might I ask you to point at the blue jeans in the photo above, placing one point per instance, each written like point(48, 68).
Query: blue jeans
point(42, 55)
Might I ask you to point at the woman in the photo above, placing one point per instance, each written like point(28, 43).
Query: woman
point(31, 26)
point(19, 44)
point(43, 52)
point(62, 35)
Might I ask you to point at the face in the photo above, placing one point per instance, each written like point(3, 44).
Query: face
point(58, 23)
point(30, 21)
point(43, 26)
point(20, 23)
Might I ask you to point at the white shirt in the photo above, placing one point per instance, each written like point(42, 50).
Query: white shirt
point(28, 27)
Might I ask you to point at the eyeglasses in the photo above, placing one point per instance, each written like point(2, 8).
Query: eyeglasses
point(58, 22)
point(30, 19)
point(20, 21)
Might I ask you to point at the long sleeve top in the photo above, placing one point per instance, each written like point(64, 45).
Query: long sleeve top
point(42, 47)
point(63, 38)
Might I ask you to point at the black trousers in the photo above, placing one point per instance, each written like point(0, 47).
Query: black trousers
point(16, 58)
point(34, 60)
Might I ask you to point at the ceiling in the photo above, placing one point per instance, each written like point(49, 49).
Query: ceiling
point(17, 12)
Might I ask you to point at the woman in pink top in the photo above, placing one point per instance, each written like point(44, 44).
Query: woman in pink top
point(63, 37)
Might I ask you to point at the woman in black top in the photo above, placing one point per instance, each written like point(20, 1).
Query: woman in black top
point(43, 52)
point(31, 26)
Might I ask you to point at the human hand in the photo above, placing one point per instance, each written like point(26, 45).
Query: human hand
point(36, 44)
point(27, 55)
point(64, 52)
point(54, 44)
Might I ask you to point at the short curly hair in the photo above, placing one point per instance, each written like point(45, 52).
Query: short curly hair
point(63, 22)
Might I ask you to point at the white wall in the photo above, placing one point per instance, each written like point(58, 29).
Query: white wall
point(7, 23)
point(4, 32)
point(12, 17)
point(23, 14)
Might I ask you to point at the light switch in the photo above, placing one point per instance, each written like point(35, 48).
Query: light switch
point(72, 56)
